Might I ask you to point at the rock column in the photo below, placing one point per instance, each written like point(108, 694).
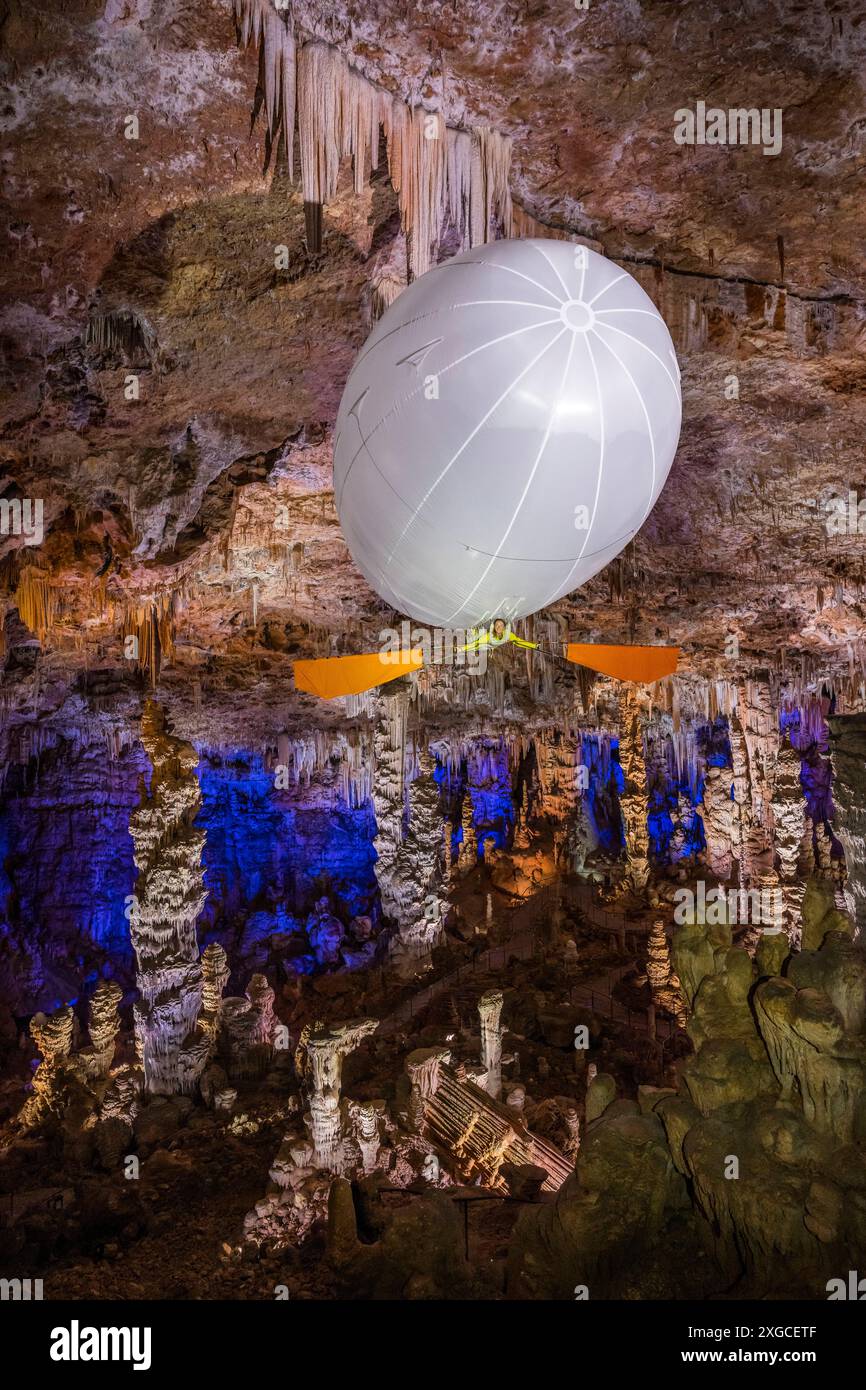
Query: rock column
point(326, 1049)
point(169, 895)
point(490, 1010)
point(633, 797)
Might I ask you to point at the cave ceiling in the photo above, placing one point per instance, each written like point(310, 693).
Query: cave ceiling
point(154, 257)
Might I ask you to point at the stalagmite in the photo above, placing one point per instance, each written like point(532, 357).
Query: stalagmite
point(633, 797)
point(490, 1010)
point(104, 1027)
point(215, 976)
point(364, 1119)
point(248, 1023)
point(116, 1117)
point(658, 966)
point(848, 743)
point(169, 895)
point(326, 1050)
point(571, 1147)
point(53, 1037)
point(789, 820)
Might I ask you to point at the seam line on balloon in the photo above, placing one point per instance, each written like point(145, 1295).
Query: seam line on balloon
point(533, 471)
point(637, 391)
point(604, 289)
point(601, 447)
point(468, 440)
point(398, 405)
point(611, 329)
point(544, 255)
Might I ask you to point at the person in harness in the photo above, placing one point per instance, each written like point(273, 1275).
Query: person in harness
point(496, 635)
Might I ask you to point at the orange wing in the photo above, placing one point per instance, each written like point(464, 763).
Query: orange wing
point(333, 676)
point(642, 664)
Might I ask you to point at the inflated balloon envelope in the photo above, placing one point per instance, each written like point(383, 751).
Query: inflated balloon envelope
point(503, 434)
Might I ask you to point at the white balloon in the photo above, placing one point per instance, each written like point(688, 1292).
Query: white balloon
point(505, 431)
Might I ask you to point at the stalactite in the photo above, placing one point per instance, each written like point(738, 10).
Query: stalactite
point(36, 601)
point(440, 174)
point(151, 625)
point(272, 32)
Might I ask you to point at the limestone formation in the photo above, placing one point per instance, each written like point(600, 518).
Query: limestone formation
point(248, 1024)
point(633, 797)
point(718, 816)
point(169, 895)
point(326, 1050)
point(407, 864)
point(848, 745)
point(104, 1027)
point(789, 819)
point(215, 976)
point(52, 1035)
point(490, 1010)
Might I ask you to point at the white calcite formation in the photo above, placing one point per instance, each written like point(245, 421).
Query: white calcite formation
point(633, 797)
point(326, 1049)
point(490, 1012)
point(169, 895)
point(789, 823)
